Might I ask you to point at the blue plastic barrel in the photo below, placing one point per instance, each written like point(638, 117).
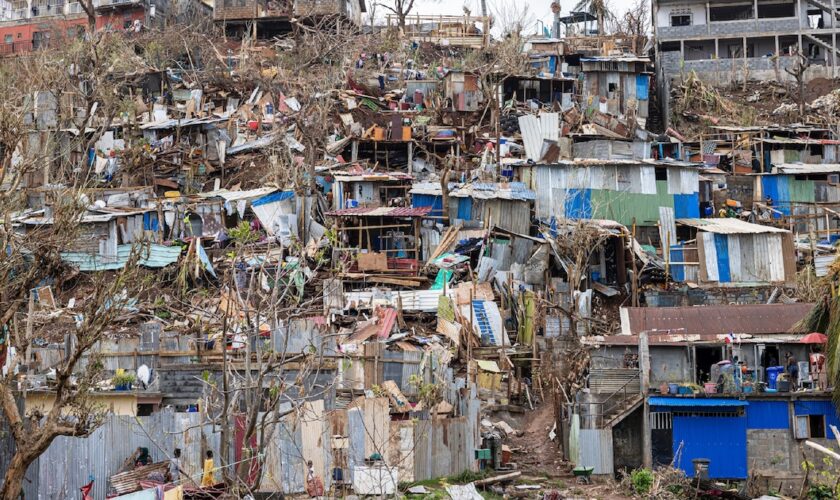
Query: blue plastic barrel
point(773, 373)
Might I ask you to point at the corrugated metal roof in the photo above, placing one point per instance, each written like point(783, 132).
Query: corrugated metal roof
point(157, 256)
point(753, 319)
point(694, 402)
point(729, 226)
point(478, 190)
point(383, 212)
point(411, 300)
point(577, 162)
point(802, 168)
point(238, 195)
point(186, 122)
point(532, 136)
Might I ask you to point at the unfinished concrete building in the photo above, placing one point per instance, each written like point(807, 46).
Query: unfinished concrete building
point(730, 40)
point(268, 18)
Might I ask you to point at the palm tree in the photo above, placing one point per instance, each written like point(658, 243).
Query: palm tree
point(824, 317)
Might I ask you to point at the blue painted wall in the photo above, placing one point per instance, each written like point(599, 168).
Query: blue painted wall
point(723, 440)
point(428, 200)
point(642, 87)
point(464, 208)
point(722, 247)
point(677, 270)
point(818, 408)
point(768, 415)
point(687, 206)
point(777, 188)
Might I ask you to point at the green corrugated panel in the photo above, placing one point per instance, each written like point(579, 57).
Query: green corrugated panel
point(801, 191)
point(793, 156)
point(622, 207)
point(157, 256)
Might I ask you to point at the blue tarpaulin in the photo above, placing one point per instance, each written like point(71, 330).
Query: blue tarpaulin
point(578, 204)
point(273, 198)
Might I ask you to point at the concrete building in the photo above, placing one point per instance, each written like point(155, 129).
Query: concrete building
point(728, 40)
point(27, 25)
point(268, 18)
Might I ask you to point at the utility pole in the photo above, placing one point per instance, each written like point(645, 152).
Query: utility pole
point(644, 378)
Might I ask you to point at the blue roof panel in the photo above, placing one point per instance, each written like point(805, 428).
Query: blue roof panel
point(695, 402)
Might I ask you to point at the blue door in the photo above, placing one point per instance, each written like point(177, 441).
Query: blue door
point(721, 439)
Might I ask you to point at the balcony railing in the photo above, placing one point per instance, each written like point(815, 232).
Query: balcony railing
point(16, 48)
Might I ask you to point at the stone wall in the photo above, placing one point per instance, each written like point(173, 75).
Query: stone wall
point(725, 71)
point(750, 28)
point(769, 449)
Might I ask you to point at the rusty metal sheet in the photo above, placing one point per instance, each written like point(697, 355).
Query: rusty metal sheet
point(753, 319)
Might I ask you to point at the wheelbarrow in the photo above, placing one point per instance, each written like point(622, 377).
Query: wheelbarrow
point(583, 474)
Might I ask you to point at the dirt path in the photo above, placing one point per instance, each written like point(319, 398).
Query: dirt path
point(533, 451)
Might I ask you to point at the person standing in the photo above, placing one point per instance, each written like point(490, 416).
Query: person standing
point(793, 371)
point(175, 466)
point(207, 478)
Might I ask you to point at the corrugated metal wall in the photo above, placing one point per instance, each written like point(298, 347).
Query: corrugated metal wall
point(726, 447)
point(596, 450)
point(69, 462)
point(743, 258)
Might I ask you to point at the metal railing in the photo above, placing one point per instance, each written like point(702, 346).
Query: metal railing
point(596, 419)
point(16, 48)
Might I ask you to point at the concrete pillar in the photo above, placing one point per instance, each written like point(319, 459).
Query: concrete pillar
point(644, 377)
point(777, 62)
point(411, 157)
point(717, 48)
point(708, 19)
point(354, 151)
point(682, 50)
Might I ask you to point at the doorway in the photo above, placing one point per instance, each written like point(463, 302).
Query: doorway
point(705, 357)
point(770, 356)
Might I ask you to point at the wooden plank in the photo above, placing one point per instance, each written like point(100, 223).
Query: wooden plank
point(377, 420)
point(312, 435)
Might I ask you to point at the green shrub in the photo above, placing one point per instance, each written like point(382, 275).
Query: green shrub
point(642, 480)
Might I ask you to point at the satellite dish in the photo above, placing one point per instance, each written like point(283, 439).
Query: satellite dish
point(144, 375)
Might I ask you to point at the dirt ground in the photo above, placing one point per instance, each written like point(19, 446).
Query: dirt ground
point(540, 459)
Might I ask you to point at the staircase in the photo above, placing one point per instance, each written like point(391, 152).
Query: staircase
point(624, 407)
point(623, 387)
point(824, 7)
point(827, 46)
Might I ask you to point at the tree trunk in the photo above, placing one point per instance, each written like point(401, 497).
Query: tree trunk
point(444, 191)
point(13, 480)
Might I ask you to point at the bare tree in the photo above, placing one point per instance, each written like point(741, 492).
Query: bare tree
point(400, 8)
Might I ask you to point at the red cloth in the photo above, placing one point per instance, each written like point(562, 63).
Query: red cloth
point(87, 491)
point(315, 487)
